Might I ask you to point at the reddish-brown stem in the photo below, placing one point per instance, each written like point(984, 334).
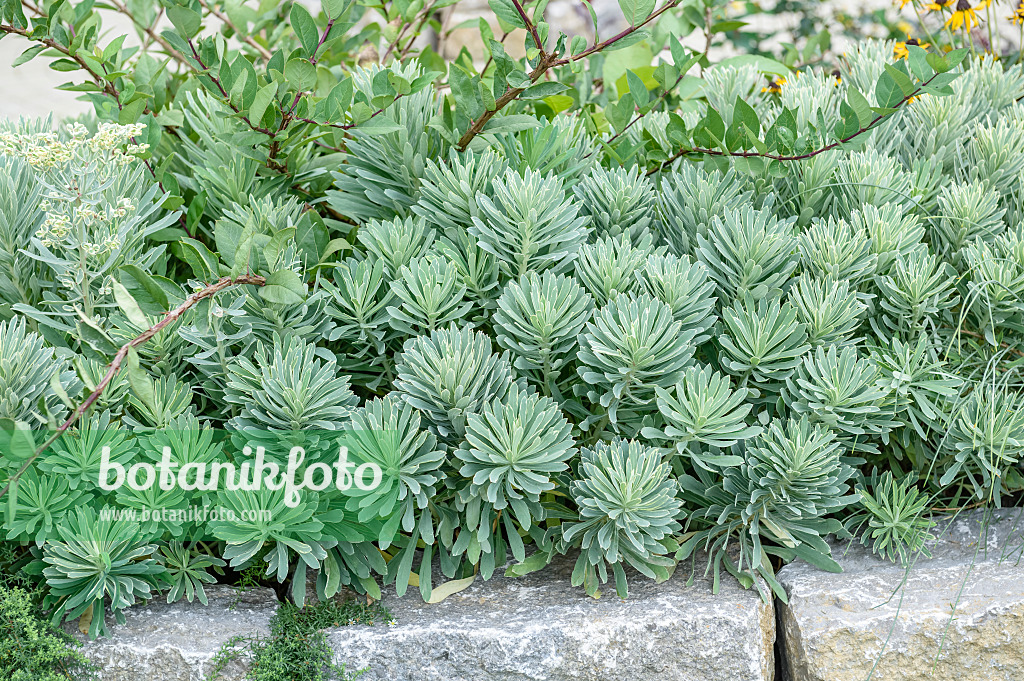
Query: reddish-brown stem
point(797, 157)
point(418, 20)
point(597, 47)
point(100, 80)
point(149, 31)
point(547, 61)
point(347, 126)
point(490, 59)
point(979, 336)
point(510, 94)
point(641, 115)
point(419, 27)
point(707, 37)
point(287, 116)
point(264, 52)
point(227, 98)
point(530, 26)
point(25, 33)
point(115, 364)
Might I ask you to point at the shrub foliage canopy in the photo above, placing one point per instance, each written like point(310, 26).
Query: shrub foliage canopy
point(633, 318)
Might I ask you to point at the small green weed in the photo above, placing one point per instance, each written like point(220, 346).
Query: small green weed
point(297, 648)
point(32, 649)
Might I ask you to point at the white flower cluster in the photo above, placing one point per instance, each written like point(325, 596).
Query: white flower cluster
point(75, 217)
point(84, 226)
point(50, 150)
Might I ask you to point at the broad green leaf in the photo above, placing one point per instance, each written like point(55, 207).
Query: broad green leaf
point(559, 103)
point(636, 11)
point(665, 74)
point(727, 26)
point(141, 383)
point(511, 123)
point(901, 78)
point(507, 12)
point(782, 135)
point(300, 73)
point(751, 165)
point(312, 237)
point(305, 28)
point(148, 291)
point(186, 20)
point(264, 96)
point(533, 562)
point(710, 131)
point(918, 58)
point(542, 90)
point(283, 287)
point(334, 246)
point(198, 257)
point(28, 54)
point(129, 306)
point(130, 113)
point(746, 114)
point(277, 243)
point(637, 88)
point(954, 57)
point(629, 40)
point(938, 62)
point(860, 106)
point(17, 442)
point(379, 125)
point(848, 125)
point(334, 8)
point(887, 91)
point(465, 92)
point(620, 113)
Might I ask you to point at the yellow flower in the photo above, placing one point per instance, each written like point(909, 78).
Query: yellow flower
point(774, 87)
point(938, 5)
point(965, 16)
point(839, 76)
point(900, 51)
point(1018, 14)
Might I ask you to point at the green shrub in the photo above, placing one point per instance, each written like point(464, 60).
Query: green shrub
point(587, 300)
point(32, 649)
point(297, 647)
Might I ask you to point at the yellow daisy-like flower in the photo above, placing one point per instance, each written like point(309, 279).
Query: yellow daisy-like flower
point(900, 51)
point(938, 5)
point(1018, 14)
point(965, 16)
point(839, 76)
point(774, 87)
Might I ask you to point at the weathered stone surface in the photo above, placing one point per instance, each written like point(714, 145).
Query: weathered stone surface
point(177, 642)
point(540, 627)
point(957, 616)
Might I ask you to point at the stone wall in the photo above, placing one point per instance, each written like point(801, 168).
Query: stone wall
point(957, 616)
